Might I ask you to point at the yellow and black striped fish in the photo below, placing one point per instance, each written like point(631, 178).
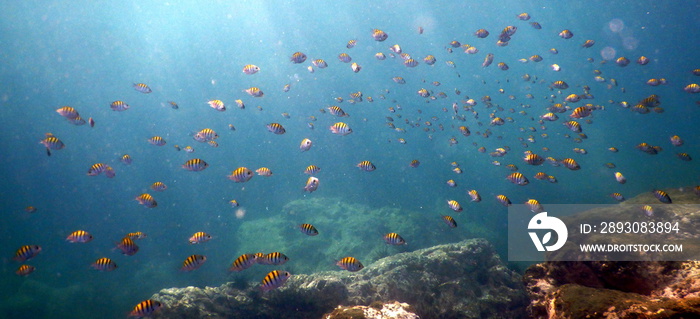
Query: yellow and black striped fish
point(25, 270)
point(312, 170)
point(274, 258)
point(142, 87)
point(104, 264)
point(145, 308)
point(205, 135)
point(308, 229)
point(274, 279)
point(157, 141)
point(350, 264)
point(97, 169)
point(136, 235)
point(662, 196)
point(394, 239)
point(195, 165)
point(571, 164)
point(51, 142)
point(503, 199)
point(79, 236)
point(199, 237)
point(146, 200)
point(127, 246)
point(27, 252)
point(518, 178)
point(276, 128)
point(454, 205)
point(158, 186)
point(449, 221)
point(119, 106)
point(255, 92)
point(250, 69)
point(193, 262)
point(340, 128)
point(366, 166)
point(241, 175)
point(243, 262)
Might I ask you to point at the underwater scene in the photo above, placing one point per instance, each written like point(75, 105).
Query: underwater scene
point(264, 146)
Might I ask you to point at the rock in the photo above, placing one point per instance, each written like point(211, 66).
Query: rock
point(461, 280)
point(610, 289)
point(391, 310)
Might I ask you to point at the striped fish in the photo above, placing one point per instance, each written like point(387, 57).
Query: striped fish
point(618, 197)
point(308, 229)
point(79, 236)
point(104, 264)
point(366, 166)
point(503, 200)
point(255, 92)
point(97, 169)
point(394, 239)
point(410, 63)
point(126, 159)
point(145, 308)
point(474, 195)
point(379, 35)
point(274, 258)
point(337, 111)
point(350, 264)
point(51, 143)
point(205, 135)
point(217, 105)
point(319, 63)
point(199, 237)
point(312, 170)
point(127, 246)
point(25, 270)
point(241, 175)
point(146, 200)
point(193, 262)
point(449, 221)
point(157, 141)
point(662, 196)
point(136, 235)
point(571, 164)
point(250, 69)
point(119, 106)
point(344, 57)
point(142, 87)
point(298, 57)
point(276, 128)
point(243, 262)
point(264, 171)
point(27, 252)
point(158, 186)
point(340, 128)
point(454, 205)
point(68, 112)
point(195, 165)
point(518, 178)
point(274, 279)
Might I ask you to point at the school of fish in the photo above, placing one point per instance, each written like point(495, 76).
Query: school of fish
point(569, 109)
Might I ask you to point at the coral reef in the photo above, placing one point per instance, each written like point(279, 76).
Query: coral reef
point(460, 280)
point(390, 310)
point(345, 229)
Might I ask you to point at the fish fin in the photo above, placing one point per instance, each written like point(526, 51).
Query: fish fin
point(48, 151)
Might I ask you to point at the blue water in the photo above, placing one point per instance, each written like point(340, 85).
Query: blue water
point(88, 54)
